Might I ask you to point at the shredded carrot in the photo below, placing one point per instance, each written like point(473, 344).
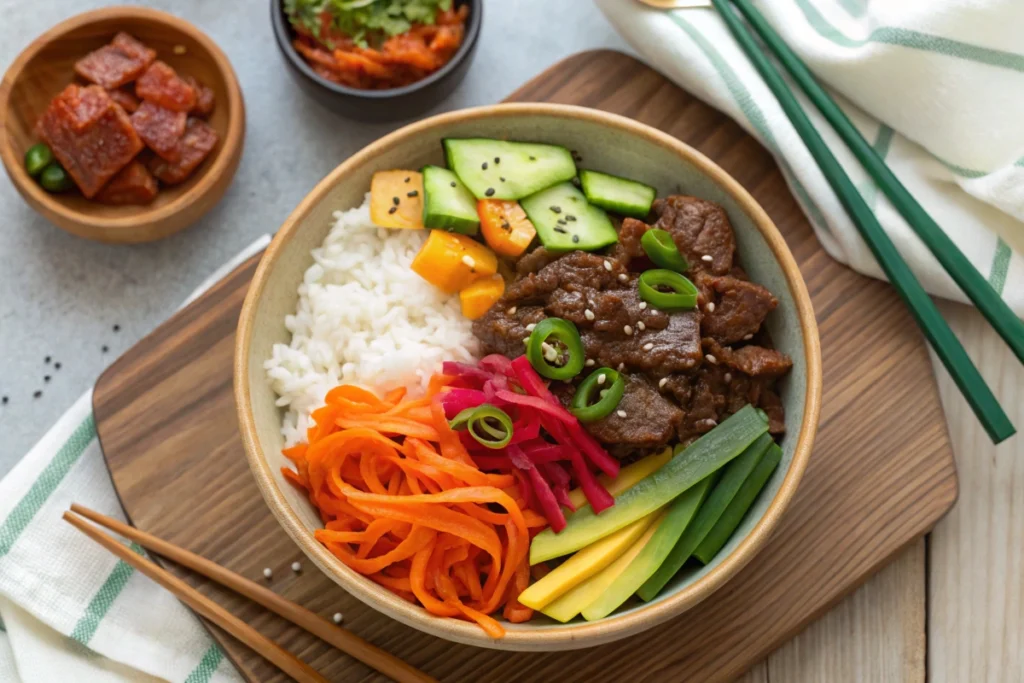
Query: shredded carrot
point(404, 504)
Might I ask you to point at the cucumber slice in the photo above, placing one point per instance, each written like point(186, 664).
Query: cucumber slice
point(565, 221)
point(447, 204)
point(707, 516)
point(497, 169)
point(619, 195)
point(741, 502)
point(704, 456)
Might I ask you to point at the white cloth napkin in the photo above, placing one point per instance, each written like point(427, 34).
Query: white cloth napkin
point(937, 86)
point(69, 610)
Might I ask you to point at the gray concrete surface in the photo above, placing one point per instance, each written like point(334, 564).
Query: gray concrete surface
point(61, 296)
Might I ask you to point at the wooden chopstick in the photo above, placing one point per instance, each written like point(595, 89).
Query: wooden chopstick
point(268, 649)
point(959, 267)
point(941, 337)
point(341, 638)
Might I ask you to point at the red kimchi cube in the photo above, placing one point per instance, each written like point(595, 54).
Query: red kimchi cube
point(113, 65)
point(160, 84)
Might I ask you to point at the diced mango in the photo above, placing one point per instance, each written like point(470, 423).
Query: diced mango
point(584, 564)
point(627, 477)
point(452, 261)
point(505, 226)
point(396, 199)
point(478, 298)
point(579, 598)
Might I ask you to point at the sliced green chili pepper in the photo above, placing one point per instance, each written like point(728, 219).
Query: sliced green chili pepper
point(543, 355)
point(662, 249)
point(683, 294)
point(610, 389)
point(475, 420)
point(38, 157)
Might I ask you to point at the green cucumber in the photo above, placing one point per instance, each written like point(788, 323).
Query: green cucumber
point(698, 460)
point(566, 221)
point(619, 195)
point(679, 516)
point(741, 502)
point(497, 169)
point(447, 204)
point(732, 479)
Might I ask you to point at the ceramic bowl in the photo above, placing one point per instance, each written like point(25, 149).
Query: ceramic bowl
point(607, 142)
point(46, 66)
point(392, 104)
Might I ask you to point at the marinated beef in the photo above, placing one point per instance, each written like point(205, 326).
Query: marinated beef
point(160, 84)
point(197, 143)
point(685, 371)
point(161, 129)
point(132, 185)
point(113, 65)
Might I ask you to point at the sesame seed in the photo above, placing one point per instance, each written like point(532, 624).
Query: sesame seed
point(396, 201)
point(489, 192)
point(47, 359)
point(483, 166)
point(56, 366)
point(497, 160)
point(512, 311)
point(623, 277)
point(393, 209)
point(588, 314)
point(533, 158)
point(267, 573)
point(648, 346)
point(104, 348)
point(556, 209)
point(550, 352)
point(454, 184)
point(46, 378)
point(748, 337)
point(710, 308)
point(575, 238)
point(711, 359)
point(608, 266)
point(707, 258)
point(621, 413)
point(562, 231)
point(570, 217)
point(412, 193)
point(627, 329)
point(468, 260)
point(408, 178)
point(561, 221)
point(37, 394)
point(643, 305)
point(530, 327)
point(662, 382)
point(337, 617)
point(601, 378)
point(728, 377)
point(640, 325)
point(180, 49)
point(296, 567)
point(501, 178)
point(117, 328)
point(588, 362)
point(5, 400)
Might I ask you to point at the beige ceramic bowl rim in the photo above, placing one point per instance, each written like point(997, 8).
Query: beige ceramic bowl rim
point(221, 164)
point(572, 635)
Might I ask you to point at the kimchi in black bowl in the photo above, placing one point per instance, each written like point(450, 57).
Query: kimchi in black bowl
point(367, 73)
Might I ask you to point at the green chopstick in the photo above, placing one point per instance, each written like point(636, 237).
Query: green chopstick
point(941, 337)
point(963, 272)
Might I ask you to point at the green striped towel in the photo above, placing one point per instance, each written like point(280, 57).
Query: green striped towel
point(69, 610)
point(938, 87)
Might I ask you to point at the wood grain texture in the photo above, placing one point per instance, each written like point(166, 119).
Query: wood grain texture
point(880, 476)
point(46, 66)
point(976, 578)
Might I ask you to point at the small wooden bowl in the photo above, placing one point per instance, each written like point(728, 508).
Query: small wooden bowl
point(46, 66)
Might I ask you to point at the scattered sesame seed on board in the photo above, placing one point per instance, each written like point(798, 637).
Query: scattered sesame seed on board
point(621, 413)
point(296, 567)
point(337, 618)
point(267, 573)
point(707, 258)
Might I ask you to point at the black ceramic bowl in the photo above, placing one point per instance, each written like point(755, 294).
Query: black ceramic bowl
point(379, 105)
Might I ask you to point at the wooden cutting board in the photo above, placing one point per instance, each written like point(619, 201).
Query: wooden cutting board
point(881, 475)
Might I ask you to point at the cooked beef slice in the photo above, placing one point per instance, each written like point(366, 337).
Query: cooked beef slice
point(740, 307)
point(699, 228)
point(755, 361)
point(647, 419)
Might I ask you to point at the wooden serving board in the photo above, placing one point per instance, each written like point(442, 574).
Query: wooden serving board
point(881, 475)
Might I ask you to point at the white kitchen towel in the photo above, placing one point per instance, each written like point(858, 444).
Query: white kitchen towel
point(69, 610)
point(937, 86)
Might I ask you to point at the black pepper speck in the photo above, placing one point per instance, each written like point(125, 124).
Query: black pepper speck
point(56, 366)
point(117, 328)
point(46, 378)
point(47, 359)
point(396, 201)
point(105, 348)
point(5, 400)
point(484, 166)
point(37, 394)
point(489, 192)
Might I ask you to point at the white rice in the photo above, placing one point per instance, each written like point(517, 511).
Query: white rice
point(365, 318)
